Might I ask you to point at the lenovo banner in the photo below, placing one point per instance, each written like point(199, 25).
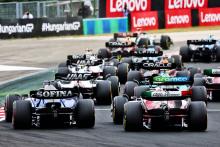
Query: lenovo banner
point(144, 21)
point(114, 8)
point(185, 4)
point(209, 17)
point(178, 18)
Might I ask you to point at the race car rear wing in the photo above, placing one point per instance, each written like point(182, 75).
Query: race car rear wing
point(156, 66)
point(160, 80)
point(201, 42)
point(123, 35)
point(74, 76)
point(212, 72)
point(165, 95)
point(53, 94)
point(118, 44)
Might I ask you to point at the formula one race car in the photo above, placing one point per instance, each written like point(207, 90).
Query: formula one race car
point(211, 80)
point(101, 85)
point(136, 78)
point(201, 50)
point(171, 103)
point(143, 39)
point(49, 106)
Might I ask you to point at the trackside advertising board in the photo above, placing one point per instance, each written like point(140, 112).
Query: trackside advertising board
point(144, 21)
point(209, 17)
point(178, 18)
point(185, 4)
point(114, 8)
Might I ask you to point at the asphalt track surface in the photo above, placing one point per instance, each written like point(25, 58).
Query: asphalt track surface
point(105, 133)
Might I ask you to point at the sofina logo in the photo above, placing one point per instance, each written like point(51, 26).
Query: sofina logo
point(170, 79)
point(52, 94)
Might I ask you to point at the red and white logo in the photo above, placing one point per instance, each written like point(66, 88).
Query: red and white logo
point(144, 21)
point(114, 8)
point(178, 18)
point(209, 16)
point(185, 4)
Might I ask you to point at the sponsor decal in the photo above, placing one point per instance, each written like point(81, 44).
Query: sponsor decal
point(185, 4)
point(116, 44)
point(170, 79)
point(158, 65)
point(215, 71)
point(178, 18)
point(209, 16)
point(49, 27)
point(114, 8)
point(78, 76)
point(87, 62)
point(166, 94)
point(144, 21)
point(12, 29)
point(53, 94)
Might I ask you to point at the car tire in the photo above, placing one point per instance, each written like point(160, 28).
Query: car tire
point(134, 76)
point(197, 116)
point(199, 82)
point(129, 88)
point(193, 71)
point(143, 43)
point(218, 54)
point(118, 109)
point(10, 99)
point(199, 93)
point(126, 60)
point(62, 65)
point(185, 53)
point(104, 53)
point(177, 61)
point(133, 116)
point(165, 42)
point(115, 85)
point(22, 114)
point(182, 74)
point(139, 90)
point(123, 69)
point(109, 71)
point(103, 93)
point(85, 113)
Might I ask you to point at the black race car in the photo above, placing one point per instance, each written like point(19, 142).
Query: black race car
point(201, 50)
point(50, 106)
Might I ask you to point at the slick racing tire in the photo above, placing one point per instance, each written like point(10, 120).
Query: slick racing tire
point(123, 69)
point(115, 85)
point(185, 53)
point(134, 76)
point(165, 42)
point(104, 53)
point(62, 65)
point(85, 113)
point(197, 116)
point(109, 71)
point(198, 75)
point(143, 43)
point(182, 74)
point(63, 70)
point(22, 114)
point(199, 93)
point(127, 60)
point(177, 61)
point(129, 88)
point(193, 71)
point(118, 109)
point(199, 82)
point(103, 93)
point(218, 54)
point(10, 99)
point(139, 90)
point(133, 116)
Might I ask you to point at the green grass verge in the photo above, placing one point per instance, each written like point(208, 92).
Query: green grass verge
point(24, 85)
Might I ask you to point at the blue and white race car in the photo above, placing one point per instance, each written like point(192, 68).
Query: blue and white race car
point(49, 106)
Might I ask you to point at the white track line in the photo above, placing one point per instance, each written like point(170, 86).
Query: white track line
point(17, 68)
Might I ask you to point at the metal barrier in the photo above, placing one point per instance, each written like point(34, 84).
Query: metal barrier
point(39, 9)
